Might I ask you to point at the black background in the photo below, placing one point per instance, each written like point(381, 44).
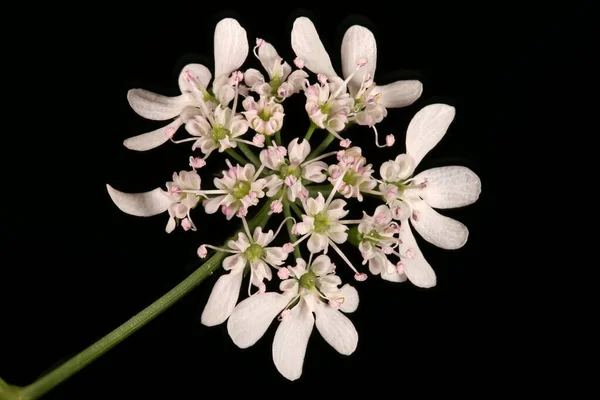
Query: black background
point(76, 267)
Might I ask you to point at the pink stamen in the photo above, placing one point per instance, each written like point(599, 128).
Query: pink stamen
point(362, 62)
point(410, 254)
point(379, 218)
point(187, 75)
point(333, 303)
point(391, 192)
point(335, 173)
point(186, 224)
point(295, 229)
point(276, 206)
point(299, 63)
point(290, 180)
point(345, 143)
point(260, 42)
point(387, 250)
point(322, 79)
point(252, 195)
point(399, 268)
point(415, 215)
point(226, 210)
point(340, 155)
point(175, 190)
point(423, 184)
point(332, 268)
point(288, 247)
point(197, 162)
point(170, 132)
point(262, 288)
point(361, 277)
point(390, 140)
point(202, 251)
point(242, 212)
point(303, 195)
point(258, 140)
point(283, 273)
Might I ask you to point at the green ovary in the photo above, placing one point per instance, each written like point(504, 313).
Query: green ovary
point(321, 222)
point(241, 189)
point(220, 133)
point(254, 252)
point(307, 280)
point(287, 170)
point(264, 115)
point(350, 178)
point(275, 83)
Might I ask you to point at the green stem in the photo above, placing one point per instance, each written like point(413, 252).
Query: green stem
point(310, 131)
point(314, 190)
point(326, 142)
point(249, 154)
point(237, 156)
point(278, 137)
point(81, 360)
point(289, 224)
point(296, 209)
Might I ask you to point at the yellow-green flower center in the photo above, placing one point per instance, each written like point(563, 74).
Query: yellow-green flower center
point(350, 178)
point(321, 222)
point(220, 133)
point(241, 189)
point(287, 170)
point(254, 252)
point(308, 280)
point(276, 81)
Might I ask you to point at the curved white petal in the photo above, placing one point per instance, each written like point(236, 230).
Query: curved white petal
point(253, 316)
point(399, 94)
point(437, 229)
point(198, 72)
point(336, 329)
point(231, 47)
point(393, 277)
point(144, 204)
point(291, 339)
point(358, 42)
point(350, 295)
point(156, 106)
point(151, 140)
point(307, 46)
point(449, 187)
point(222, 299)
point(417, 269)
point(427, 128)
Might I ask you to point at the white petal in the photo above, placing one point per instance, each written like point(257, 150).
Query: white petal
point(317, 242)
point(156, 106)
point(437, 229)
point(199, 72)
point(350, 295)
point(252, 317)
point(427, 128)
point(417, 269)
point(144, 204)
point(307, 46)
point(231, 47)
point(336, 329)
point(449, 187)
point(321, 265)
point(151, 140)
point(291, 339)
point(393, 277)
point(222, 299)
point(358, 42)
point(399, 94)
point(235, 262)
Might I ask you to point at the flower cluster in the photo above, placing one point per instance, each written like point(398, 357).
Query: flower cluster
point(240, 111)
